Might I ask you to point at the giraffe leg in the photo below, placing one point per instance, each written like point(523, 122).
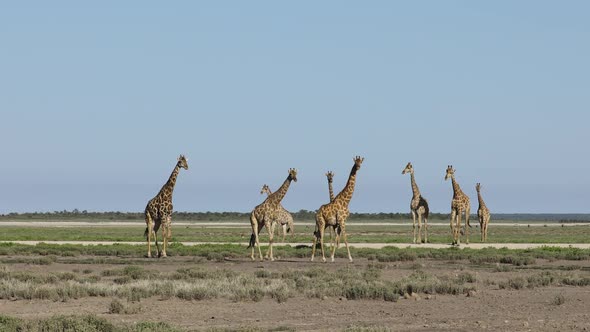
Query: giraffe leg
point(291, 228)
point(426, 230)
point(345, 236)
point(271, 230)
point(481, 227)
point(270, 240)
point(313, 245)
point(157, 225)
point(319, 224)
point(414, 224)
point(419, 228)
point(332, 237)
point(148, 233)
point(453, 216)
point(467, 225)
point(322, 243)
point(165, 234)
point(284, 226)
point(458, 229)
point(333, 248)
point(254, 241)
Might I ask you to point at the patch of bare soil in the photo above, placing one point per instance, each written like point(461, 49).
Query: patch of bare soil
point(550, 308)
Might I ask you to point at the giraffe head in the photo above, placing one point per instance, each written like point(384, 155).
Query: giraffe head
point(265, 189)
point(409, 169)
point(477, 186)
point(182, 162)
point(293, 174)
point(330, 176)
point(450, 172)
point(357, 162)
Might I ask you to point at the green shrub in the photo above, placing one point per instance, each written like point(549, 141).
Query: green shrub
point(88, 323)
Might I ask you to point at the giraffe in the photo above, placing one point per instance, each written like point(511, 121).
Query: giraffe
point(418, 206)
point(330, 177)
point(158, 211)
point(335, 213)
point(266, 215)
point(284, 217)
point(483, 214)
point(459, 204)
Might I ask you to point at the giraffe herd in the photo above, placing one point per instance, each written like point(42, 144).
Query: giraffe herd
point(332, 215)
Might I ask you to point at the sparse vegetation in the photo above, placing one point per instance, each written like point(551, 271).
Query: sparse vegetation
point(127, 287)
point(558, 300)
point(87, 323)
point(117, 307)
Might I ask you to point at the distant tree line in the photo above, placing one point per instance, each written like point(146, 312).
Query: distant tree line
point(299, 215)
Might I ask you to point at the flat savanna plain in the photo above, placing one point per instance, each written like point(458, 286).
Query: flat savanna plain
point(218, 288)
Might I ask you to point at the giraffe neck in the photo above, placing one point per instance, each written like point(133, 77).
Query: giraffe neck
point(415, 189)
point(331, 191)
point(480, 199)
point(277, 196)
point(346, 194)
point(169, 185)
point(456, 189)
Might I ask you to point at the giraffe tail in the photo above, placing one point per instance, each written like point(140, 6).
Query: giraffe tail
point(252, 241)
point(145, 234)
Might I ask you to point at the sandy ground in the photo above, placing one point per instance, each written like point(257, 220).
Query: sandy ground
point(489, 308)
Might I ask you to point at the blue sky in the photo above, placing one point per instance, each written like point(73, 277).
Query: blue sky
point(98, 100)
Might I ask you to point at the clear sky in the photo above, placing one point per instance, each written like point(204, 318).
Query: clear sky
point(98, 100)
